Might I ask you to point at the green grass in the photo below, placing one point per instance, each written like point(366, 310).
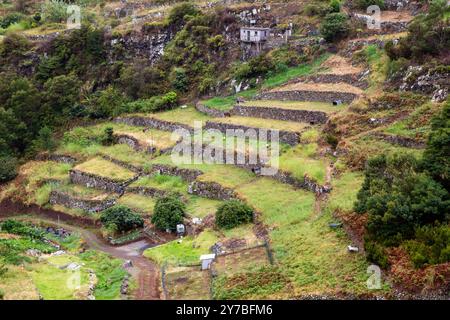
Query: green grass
point(311, 255)
point(201, 207)
point(263, 123)
point(187, 252)
point(54, 283)
point(300, 160)
point(292, 73)
point(345, 189)
point(226, 103)
point(104, 168)
point(162, 182)
point(226, 175)
point(185, 116)
point(141, 204)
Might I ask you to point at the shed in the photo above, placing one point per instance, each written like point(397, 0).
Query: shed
point(254, 34)
point(206, 260)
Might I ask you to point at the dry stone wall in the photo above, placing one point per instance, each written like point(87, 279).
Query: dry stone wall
point(312, 117)
point(61, 158)
point(210, 111)
point(211, 190)
point(153, 123)
point(288, 137)
point(97, 182)
point(304, 95)
point(188, 175)
point(57, 197)
point(401, 141)
point(146, 191)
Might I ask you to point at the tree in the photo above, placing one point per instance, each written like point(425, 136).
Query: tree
point(169, 211)
point(7, 168)
point(106, 103)
point(335, 26)
point(108, 138)
point(436, 158)
point(398, 197)
point(45, 140)
point(121, 219)
point(233, 213)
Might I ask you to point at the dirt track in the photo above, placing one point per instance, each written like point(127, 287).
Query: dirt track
point(143, 270)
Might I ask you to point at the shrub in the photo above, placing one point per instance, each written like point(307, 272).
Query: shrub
point(376, 253)
point(335, 26)
point(233, 213)
point(180, 13)
point(54, 11)
point(169, 211)
point(8, 168)
point(10, 19)
point(364, 4)
point(106, 103)
point(108, 137)
point(121, 219)
point(45, 140)
point(20, 228)
point(436, 158)
point(430, 246)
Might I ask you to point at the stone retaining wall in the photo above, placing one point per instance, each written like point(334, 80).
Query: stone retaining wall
point(354, 79)
point(307, 183)
point(210, 111)
point(123, 164)
point(61, 158)
point(211, 190)
point(401, 141)
point(188, 175)
point(147, 191)
point(303, 95)
point(288, 137)
point(312, 117)
point(97, 182)
point(69, 201)
point(134, 143)
point(153, 123)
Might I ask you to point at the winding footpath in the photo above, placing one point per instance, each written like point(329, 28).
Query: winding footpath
point(143, 270)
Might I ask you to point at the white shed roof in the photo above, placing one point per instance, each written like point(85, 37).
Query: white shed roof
point(207, 256)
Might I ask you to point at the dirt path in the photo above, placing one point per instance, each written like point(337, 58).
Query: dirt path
point(143, 270)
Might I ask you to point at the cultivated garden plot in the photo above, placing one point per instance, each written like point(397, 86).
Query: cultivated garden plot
point(106, 169)
point(181, 283)
point(294, 105)
point(262, 123)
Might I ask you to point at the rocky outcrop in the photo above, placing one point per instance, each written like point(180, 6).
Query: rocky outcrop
point(97, 182)
point(153, 123)
point(92, 206)
point(211, 190)
point(304, 95)
point(288, 137)
point(312, 117)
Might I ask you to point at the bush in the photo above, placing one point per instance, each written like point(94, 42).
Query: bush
point(180, 13)
point(10, 19)
point(54, 11)
point(364, 4)
point(169, 211)
point(8, 168)
point(121, 219)
point(430, 246)
point(233, 213)
point(108, 137)
point(158, 103)
point(106, 103)
point(335, 26)
point(45, 140)
point(376, 253)
point(20, 228)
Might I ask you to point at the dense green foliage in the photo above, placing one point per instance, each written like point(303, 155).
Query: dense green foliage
point(436, 158)
point(169, 211)
point(408, 201)
point(121, 219)
point(335, 26)
point(8, 168)
point(428, 35)
point(233, 213)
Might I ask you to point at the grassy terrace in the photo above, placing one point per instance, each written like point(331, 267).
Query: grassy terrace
point(308, 252)
point(83, 192)
point(226, 175)
point(104, 168)
point(151, 137)
point(196, 206)
point(185, 116)
point(320, 87)
point(139, 203)
point(300, 160)
point(226, 103)
point(295, 105)
point(263, 123)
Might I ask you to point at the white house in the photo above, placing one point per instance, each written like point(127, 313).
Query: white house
point(206, 260)
point(254, 34)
